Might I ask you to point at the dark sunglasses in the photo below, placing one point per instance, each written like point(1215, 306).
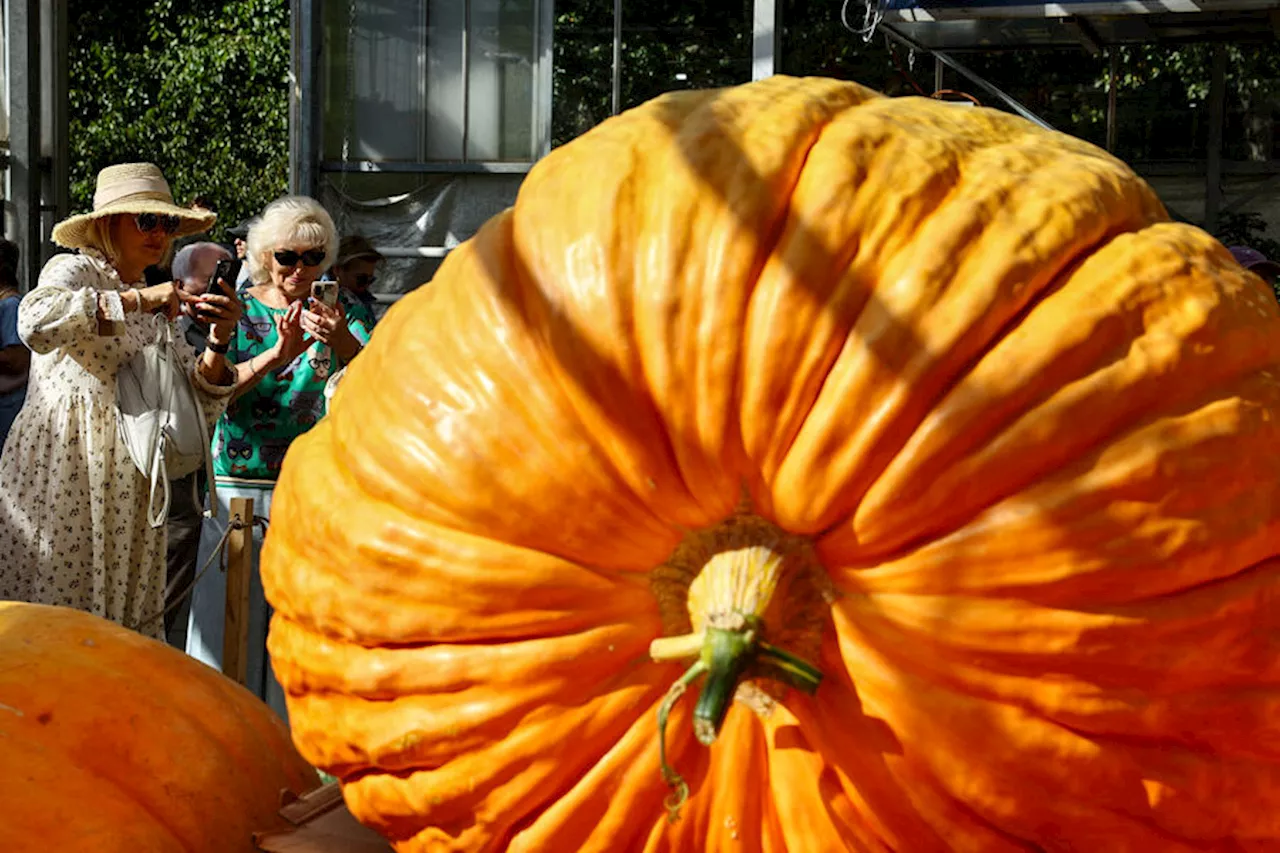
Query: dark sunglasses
point(309, 258)
point(364, 280)
point(148, 222)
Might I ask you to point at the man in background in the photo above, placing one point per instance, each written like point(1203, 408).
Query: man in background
point(357, 268)
point(193, 266)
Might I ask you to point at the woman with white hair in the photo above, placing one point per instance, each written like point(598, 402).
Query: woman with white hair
point(286, 346)
point(74, 527)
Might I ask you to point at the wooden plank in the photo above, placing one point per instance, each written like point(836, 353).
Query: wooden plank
point(313, 804)
point(235, 637)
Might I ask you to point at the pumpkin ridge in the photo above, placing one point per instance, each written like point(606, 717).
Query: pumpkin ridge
point(898, 335)
point(1253, 356)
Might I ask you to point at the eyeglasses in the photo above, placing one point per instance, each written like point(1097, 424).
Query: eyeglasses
point(364, 280)
point(309, 258)
point(148, 222)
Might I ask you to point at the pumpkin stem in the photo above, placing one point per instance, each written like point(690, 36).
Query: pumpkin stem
point(676, 648)
point(726, 655)
point(783, 666)
point(680, 788)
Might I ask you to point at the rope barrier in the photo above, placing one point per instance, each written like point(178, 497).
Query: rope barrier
point(218, 552)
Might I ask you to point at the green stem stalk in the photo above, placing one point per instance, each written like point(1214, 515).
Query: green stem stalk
point(680, 791)
point(726, 655)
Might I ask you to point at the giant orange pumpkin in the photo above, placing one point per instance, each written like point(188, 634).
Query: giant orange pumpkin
point(921, 410)
point(111, 742)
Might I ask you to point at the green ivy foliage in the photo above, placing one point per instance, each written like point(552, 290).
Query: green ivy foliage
point(199, 87)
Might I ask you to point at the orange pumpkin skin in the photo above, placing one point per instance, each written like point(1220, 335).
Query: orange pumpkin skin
point(1028, 425)
point(112, 742)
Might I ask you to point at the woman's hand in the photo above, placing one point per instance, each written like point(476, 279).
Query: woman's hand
point(291, 341)
point(328, 325)
point(160, 299)
point(219, 312)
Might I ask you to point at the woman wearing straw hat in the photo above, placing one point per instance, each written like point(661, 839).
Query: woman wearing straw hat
point(73, 514)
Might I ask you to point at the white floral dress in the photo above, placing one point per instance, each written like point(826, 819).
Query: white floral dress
point(73, 507)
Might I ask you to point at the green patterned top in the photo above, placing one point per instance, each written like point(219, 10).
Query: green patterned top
point(252, 437)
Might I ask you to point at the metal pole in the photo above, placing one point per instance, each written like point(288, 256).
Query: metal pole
point(546, 79)
point(617, 56)
point(764, 39)
point(970, 75)
point(939, 75)
point(466, 80)
point(1213, 164)
point(304, 98)
point(24, 134)
point(1113, 85)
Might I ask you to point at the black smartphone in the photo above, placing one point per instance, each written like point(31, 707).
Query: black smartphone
point(227, 270)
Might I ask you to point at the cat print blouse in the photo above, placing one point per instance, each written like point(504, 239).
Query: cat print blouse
point(252, 437)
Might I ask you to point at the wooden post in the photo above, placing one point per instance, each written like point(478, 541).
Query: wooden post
point(235, 637)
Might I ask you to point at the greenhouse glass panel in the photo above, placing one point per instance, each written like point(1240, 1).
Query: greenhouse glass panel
point(433, 81)
point(501, 80)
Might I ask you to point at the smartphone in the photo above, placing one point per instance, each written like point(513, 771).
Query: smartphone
point(325, 291)
point(227, 270)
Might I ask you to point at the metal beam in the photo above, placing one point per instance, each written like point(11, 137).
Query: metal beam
point(414, 251)
point(55, 133)
point(304, 97)
point(1213, 164)
point(450, 167)
point(766, 39)
point(24, 136)
point(545, 71)
point(616, 77)
point(1113, 86)
point(1087, 35)
point(972, 76)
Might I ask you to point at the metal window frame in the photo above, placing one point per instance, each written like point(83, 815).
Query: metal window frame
point(306, 105)
point(38, 182)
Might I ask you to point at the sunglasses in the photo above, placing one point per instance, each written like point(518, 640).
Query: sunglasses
point(148, 222)
point(364, 280)
point(290, 258)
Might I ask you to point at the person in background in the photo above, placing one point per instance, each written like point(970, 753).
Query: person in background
point(357, 268)
point(193, 267)
point(238, 235)
point(1258, 263)
point(285, 347)
point(74, 510)
point(15, 358)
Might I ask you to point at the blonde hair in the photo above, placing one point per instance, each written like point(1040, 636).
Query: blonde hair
point(98, 236)
point(289, 220)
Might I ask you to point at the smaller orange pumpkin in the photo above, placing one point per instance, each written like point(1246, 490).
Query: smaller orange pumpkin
point(113, 742)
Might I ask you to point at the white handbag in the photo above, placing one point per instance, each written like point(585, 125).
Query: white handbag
point(161, 422)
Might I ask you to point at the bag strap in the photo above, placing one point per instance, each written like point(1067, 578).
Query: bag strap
point(159, 481)
point(207, 444)
point(159, 472)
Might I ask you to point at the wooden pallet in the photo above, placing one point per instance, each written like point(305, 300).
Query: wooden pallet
point(320, 823)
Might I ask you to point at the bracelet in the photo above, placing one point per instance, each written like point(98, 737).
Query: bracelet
point(220, 349)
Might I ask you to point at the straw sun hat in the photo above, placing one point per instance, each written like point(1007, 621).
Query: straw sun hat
point(130, 188)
